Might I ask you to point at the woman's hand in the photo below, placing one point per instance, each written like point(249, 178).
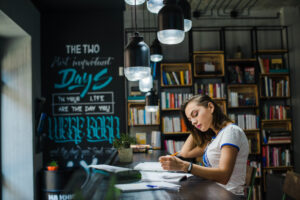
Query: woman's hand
point(172, 163)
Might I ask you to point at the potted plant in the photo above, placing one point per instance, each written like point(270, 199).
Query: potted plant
point(123, 145)
point(52, 166)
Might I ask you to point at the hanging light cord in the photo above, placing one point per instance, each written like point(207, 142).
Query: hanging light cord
point(135, 15)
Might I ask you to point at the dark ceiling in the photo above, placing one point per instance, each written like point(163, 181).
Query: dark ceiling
point(78, 5)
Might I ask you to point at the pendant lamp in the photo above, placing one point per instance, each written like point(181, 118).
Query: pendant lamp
point(146, 84)
point(156, 51)
point(151, 101)
point(186, 8)
point(170, 23)
point(154, 5)
point(134, 2)
point(137, 59)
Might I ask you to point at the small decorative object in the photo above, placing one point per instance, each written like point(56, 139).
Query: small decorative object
point(209, 67)
point(123, 145)
point(53, 166)
point(238, 54)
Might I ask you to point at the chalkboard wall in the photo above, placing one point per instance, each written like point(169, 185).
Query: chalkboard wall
point(85, 97)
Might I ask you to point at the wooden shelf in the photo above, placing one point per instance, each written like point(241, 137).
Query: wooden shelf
point(241, 60)
point(271, 51)
point(139, 125)
point(275, 74)
point(176, 133)
point(275, 120)
point(237, 107)
point(281, 143)
point(172, 86)
point(202, 58)
point(287, 97)
point(208, 52)
point(251, 130)
point(170, 109)
point(279, 167)
point(176, 72)
point(240, 85)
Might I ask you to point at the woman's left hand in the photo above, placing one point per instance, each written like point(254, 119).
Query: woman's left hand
point(173, 163)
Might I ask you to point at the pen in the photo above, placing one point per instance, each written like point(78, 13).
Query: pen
point(174, 154)
point(162, 187)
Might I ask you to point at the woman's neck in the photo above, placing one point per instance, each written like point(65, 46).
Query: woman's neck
point(216, 131)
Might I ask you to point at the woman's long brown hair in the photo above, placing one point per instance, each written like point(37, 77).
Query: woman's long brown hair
point(219, 119)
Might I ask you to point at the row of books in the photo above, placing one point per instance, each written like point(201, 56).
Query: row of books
point(214, 90)
point(253, 145)
point(278, 137)
point(276, 112)
point(256, 192)
point(240, 74)
point(173, 146)
point(245, 121)
point(177, 78)
point(257, 165)
point(271, 65)
point(275, 87)
point(173, 100)
point(139, 116)
point(173, 124)
point(141, 139)
point(241, 99)
point(275, 156)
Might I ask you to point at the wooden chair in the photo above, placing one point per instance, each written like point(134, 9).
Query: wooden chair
point(291, 185)
point(250, 179)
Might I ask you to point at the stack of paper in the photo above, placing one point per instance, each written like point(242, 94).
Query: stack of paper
point(149, 166)
point(164, 176)
point(147, 186)
point(110, 168)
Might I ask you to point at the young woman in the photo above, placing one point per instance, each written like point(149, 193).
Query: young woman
point(223, 145)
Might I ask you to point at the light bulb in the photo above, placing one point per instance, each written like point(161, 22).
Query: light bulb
point(154, 5)
point(146, 84)
point(134, 2)
point(170, 36)
point(156, 57)
point(187, 25)
point(151, 108)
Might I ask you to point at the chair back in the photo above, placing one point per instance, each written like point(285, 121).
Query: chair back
point(250, 175)
point(250, 179)
point(291, 185)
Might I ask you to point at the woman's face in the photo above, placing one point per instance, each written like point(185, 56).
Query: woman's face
point(200, 116)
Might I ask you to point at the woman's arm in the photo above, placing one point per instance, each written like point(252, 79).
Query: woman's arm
point(190, 150)
point(221, 174)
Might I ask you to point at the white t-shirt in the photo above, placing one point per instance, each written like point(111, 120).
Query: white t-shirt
point(234, 136)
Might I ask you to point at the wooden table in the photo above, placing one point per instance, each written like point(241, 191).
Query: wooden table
point(195, 188)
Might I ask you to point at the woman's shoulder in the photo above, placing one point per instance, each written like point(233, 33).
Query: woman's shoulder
point(233, 128)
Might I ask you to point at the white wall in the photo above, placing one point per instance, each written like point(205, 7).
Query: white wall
point(16, 120)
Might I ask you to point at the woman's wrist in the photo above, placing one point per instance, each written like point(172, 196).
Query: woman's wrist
point(185, 166)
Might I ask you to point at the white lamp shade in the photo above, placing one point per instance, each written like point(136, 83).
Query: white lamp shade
point(132, 2)
point(146, 84)
point(137, 73)
point(187, 25)
point(170, 36)
point(154, 5)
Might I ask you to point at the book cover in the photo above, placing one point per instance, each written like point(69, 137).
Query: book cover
point(140, 138)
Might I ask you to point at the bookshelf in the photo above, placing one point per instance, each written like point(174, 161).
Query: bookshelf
point(175, 87)
point(275, 106)
point(250, 87)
